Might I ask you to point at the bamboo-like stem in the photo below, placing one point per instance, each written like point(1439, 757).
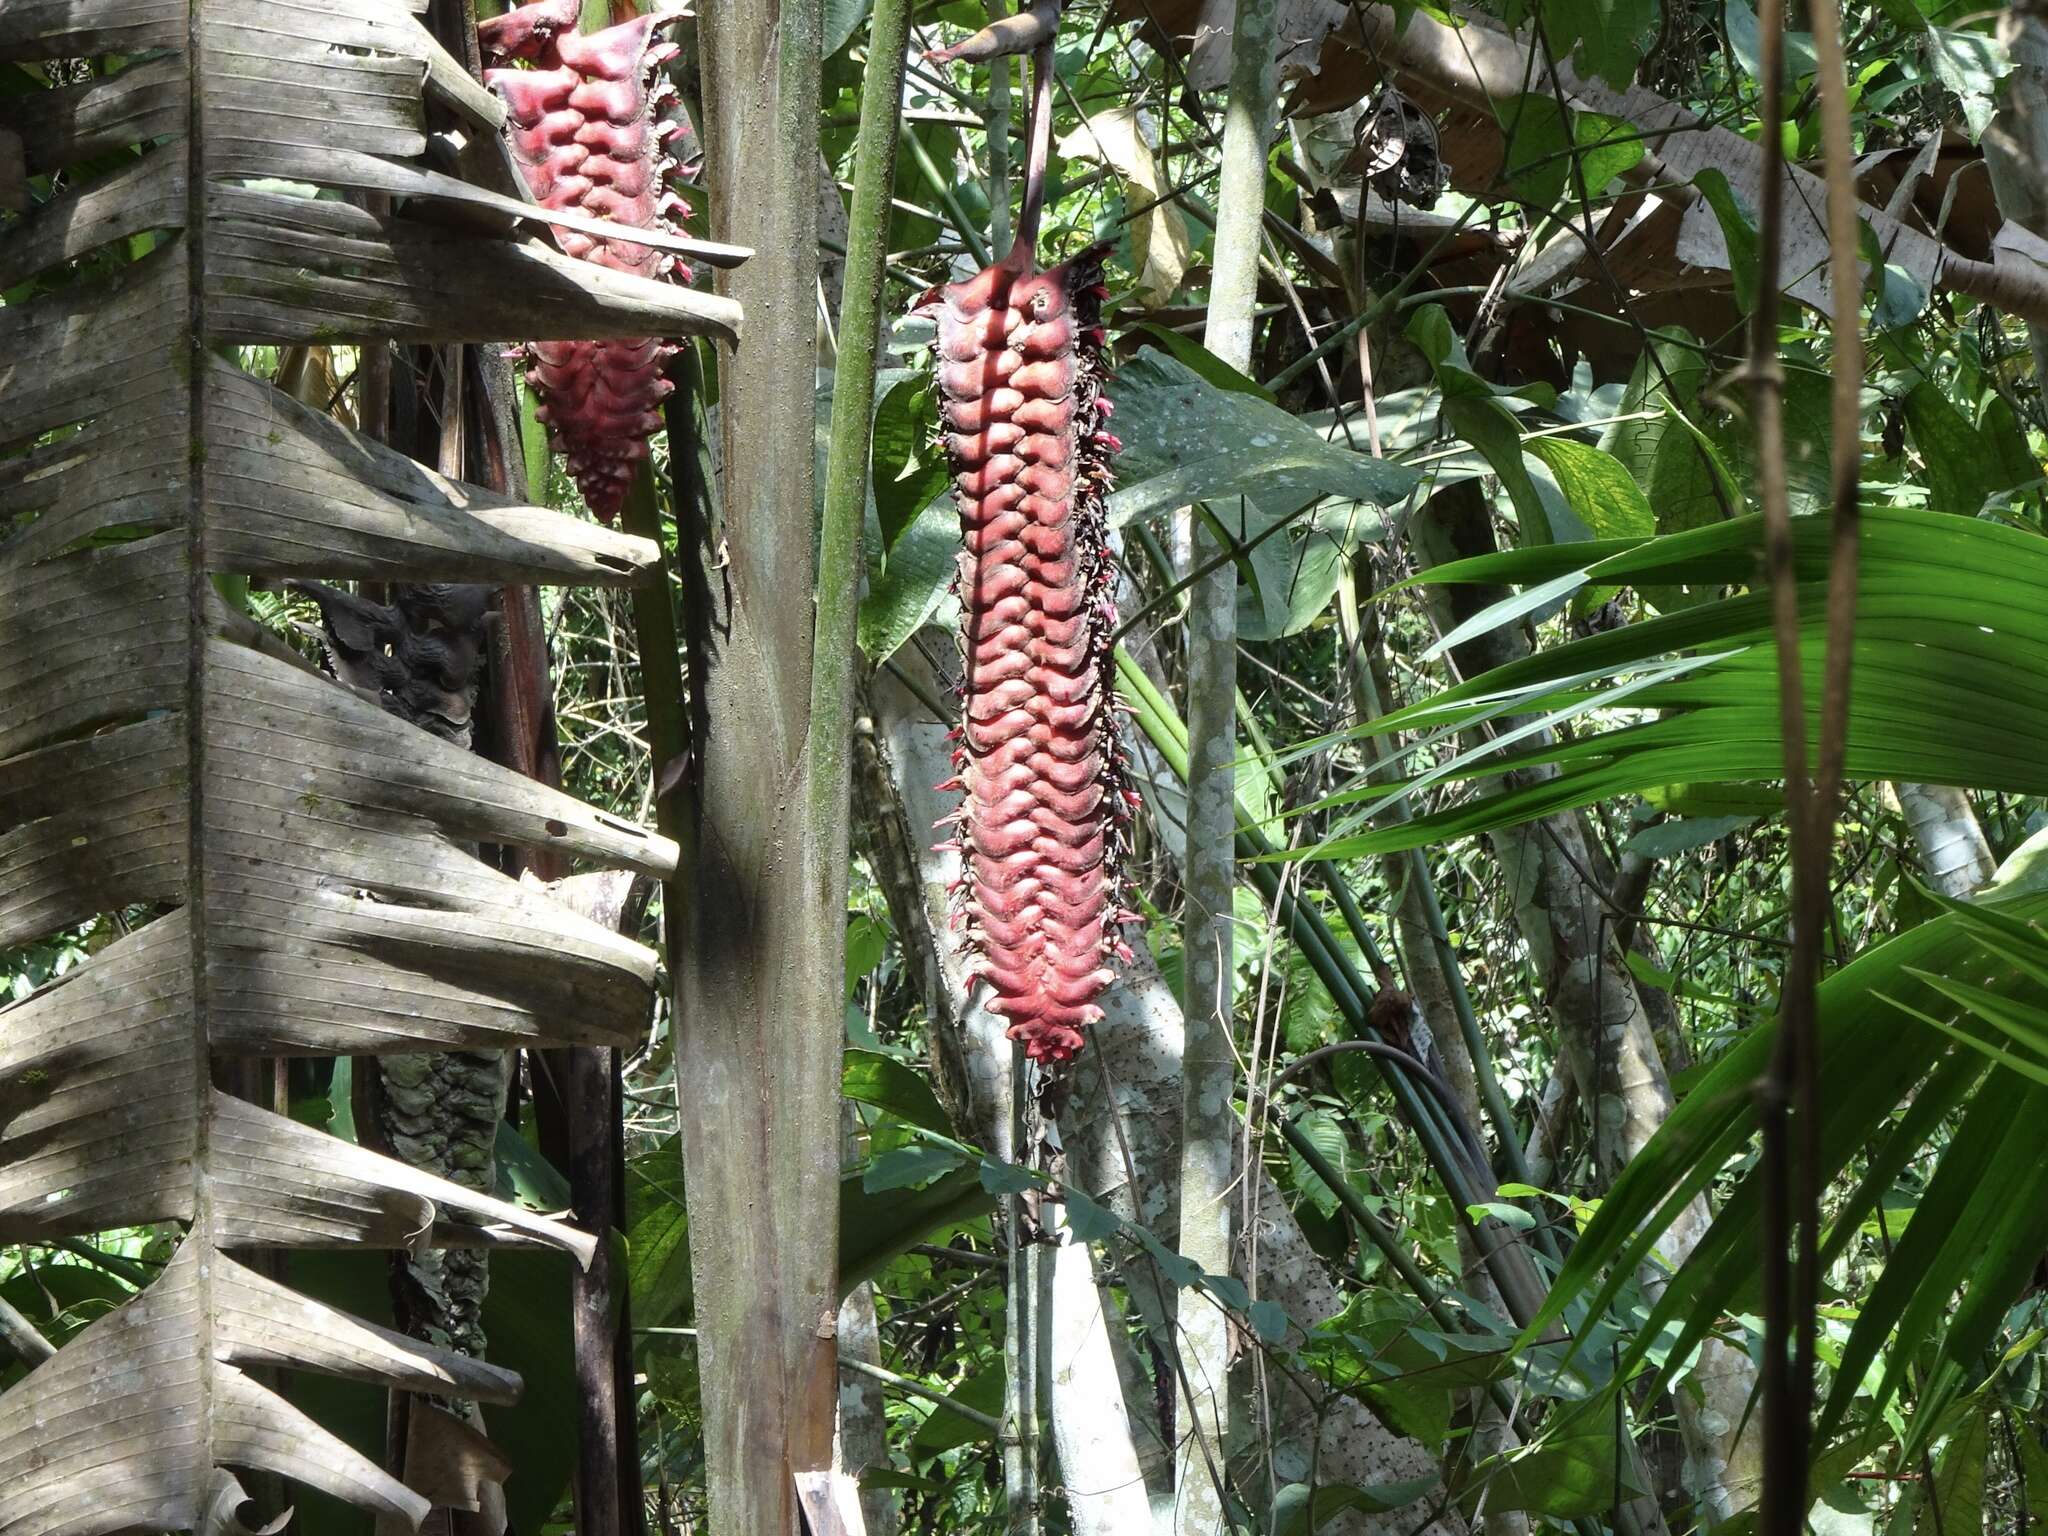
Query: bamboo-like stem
point(661, 669)
point(1311, 935)
point(1025, 251)
point(1208, 1211)
point(1790, 1092)
point(964, 227)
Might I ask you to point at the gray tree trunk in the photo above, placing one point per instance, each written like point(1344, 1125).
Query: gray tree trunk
point(1953, 852)
point(760, 975)
point(2016, 143)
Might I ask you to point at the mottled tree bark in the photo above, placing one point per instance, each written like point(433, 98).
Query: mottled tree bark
point(1953, 853)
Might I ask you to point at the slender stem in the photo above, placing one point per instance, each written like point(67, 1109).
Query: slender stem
point(661, 666)
point(21, 1336)
point(1787, 1424)
point(942, 189)
point(915, 1388)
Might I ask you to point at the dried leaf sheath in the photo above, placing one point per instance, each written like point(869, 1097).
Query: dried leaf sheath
point(157, 749)
point(1042, 820)
point(585, 135)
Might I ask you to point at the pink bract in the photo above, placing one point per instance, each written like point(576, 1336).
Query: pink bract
point(583, 127)
point(1019, 375)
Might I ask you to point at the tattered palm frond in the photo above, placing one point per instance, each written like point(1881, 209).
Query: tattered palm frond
point(303, 851)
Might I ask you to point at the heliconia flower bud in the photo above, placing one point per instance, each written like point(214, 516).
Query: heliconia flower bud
point(1019, 373)
point(583, 129)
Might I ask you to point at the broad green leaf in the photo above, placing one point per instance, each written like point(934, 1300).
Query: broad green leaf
point(658, 1237)
point(911, 1167)
point(875, 1228)
point(842, 18)
point(912, 588)
point(1569, 1473)
point(1326, 1133)
point(1607, 37)
point(1193, 355)
point(1971, 64)
point(869, 1077)
point(1599, 489)
point(1186, 440)
point(1665, 838)
point(1302, 1511)
point(1965, 466)
point(945, 1429)
point(909, 468)
point(1738, 229)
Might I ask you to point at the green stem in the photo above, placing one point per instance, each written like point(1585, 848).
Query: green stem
point(853, 409)
point(942, 189)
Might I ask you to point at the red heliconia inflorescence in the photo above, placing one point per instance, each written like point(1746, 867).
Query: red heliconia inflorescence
point(1042, 822)
point(586, 134)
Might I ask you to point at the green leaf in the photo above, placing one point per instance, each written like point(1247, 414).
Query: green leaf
point(525, 1175)
point(1570, 1473)
point(1537, 160)
point(874, 1229)
point(1598, 487)
point(1269, 1321)
point(1186, 441)
point(841, 20)
point(1193, 355)
point(945, 1429)
point(1738, 229)
point(911, 1167)
point(1971, 64)
point(866, 942)
point(1966, 466)
point(1301, 1511)
point(911, 589)
point(1325, 1132)
point(1001, 1178)
point(1665, 838)
point(1958, 1491)
point(658, 1237)
point(869, 1077)
point(1606, 37)
point(909, 468)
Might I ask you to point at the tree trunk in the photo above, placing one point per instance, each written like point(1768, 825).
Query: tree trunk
point(759, 979)
point(1953, 853)
point(2016, 143)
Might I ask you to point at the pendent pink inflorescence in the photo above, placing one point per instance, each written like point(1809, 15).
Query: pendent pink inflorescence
point(1045, 801)
point(586, 131)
